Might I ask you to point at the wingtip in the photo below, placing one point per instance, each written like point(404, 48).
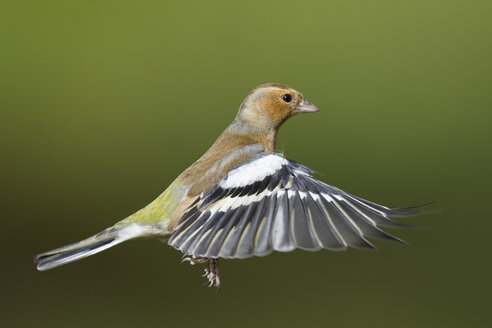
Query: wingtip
point(420, 209)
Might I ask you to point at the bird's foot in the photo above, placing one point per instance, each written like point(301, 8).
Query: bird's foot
point(194, 260)
point(211, 271)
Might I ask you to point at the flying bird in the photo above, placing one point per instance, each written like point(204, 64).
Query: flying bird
point(243, 199)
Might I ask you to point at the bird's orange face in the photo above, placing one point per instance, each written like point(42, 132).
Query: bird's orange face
point(273, 104)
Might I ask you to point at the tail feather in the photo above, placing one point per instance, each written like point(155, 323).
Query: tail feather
point(87, 247)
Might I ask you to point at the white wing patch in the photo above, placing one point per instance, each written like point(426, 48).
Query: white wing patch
point(253, 171)
point(271, 203)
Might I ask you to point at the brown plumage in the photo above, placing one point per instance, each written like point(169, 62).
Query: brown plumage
point(241, 199)
point(257, 123)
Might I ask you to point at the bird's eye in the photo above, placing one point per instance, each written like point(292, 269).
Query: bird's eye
point(287, 97)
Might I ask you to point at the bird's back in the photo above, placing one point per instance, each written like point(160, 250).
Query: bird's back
point(229, 150)
point(241, 199)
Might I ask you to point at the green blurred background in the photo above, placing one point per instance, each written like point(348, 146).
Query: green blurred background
point(104, 103)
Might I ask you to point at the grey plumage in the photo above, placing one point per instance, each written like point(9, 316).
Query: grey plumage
point(285, 209)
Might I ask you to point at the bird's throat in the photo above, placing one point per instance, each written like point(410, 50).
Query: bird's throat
point(266, 136)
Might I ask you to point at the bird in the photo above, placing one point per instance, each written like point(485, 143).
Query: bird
point(241, 198)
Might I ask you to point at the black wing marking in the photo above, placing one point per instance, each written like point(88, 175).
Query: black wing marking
point(271, 203)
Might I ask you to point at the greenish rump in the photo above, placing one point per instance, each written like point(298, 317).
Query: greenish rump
point(253, 131)
point(104, 103)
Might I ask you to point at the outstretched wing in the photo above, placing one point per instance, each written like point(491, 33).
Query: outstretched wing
point(271, 203)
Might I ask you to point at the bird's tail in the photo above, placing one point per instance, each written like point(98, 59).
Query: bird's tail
point(87, 247)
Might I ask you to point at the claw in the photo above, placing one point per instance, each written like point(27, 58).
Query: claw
point(217, 282)
point(211, 272)
point(211, 283)
point(187, 258)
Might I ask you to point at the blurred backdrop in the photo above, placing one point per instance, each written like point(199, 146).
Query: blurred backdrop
point(104, 103)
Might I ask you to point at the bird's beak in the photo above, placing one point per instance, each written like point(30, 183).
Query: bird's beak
point(306, 107)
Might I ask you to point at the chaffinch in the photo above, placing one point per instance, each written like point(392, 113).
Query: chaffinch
point(242, 199)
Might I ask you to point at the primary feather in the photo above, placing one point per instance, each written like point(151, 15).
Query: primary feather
point(241, 199)
point(273, 204)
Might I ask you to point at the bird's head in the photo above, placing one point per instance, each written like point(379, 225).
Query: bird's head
point(269, 105)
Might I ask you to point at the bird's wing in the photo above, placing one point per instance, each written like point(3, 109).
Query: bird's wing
point(271, 203)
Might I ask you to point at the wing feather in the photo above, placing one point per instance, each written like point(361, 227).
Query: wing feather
point(326, 233)
point(280, 206)
point(300, 223)
point(281, 236)
point(247, 245)
point(348, 230)
point(263, 238)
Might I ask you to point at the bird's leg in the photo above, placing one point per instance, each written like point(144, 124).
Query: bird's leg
point(211, 271)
